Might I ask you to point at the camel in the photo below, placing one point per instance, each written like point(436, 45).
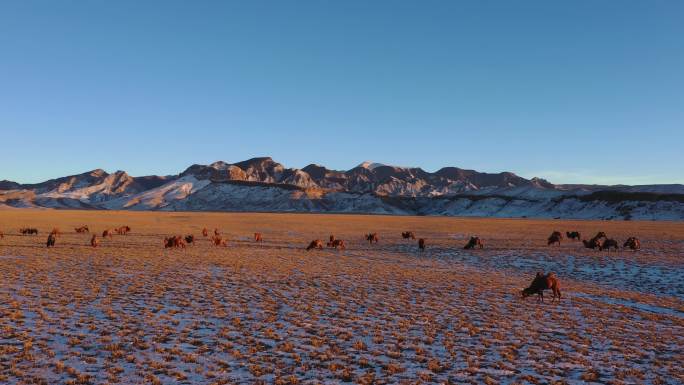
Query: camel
point(82, 229)
point(372, 237)
point(219, 241)
point(51, 240)
point(608, 244)
point(28, 231)
point(175, 241)
point(555, 238)
point(596, 242)
point(575, 235)
point(123, 230)
point(107, 233)
point(421, 244)
point(543, 282)
point(190, 239)
point(408, 234)
point(94, 242)
point(473, 242)
point(258, 238)
point(337, 244)
point(216, 232)
point(205, 232)
point(632, 243)
point(315, 244)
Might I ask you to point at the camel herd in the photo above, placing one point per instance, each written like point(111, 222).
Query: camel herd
point(599, 242)
point(540, 283)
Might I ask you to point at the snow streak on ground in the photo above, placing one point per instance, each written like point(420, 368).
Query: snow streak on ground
point(131, 312)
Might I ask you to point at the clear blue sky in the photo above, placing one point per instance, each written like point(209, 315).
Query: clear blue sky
point(575, 91)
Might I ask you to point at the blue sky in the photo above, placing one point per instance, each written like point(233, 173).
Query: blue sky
point(581, 91)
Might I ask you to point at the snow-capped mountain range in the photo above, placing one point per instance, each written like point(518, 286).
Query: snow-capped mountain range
point(261, 184)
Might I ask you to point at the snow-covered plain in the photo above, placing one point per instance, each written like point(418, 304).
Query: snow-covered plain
point(131, 312)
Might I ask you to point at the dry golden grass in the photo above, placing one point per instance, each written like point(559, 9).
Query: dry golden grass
point(133, 312)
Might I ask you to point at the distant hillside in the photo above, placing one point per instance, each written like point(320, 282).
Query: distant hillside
point(261, 184)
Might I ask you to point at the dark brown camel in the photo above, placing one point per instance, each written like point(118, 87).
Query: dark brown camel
point(372, 237)
point(632, 243)
point(82, 229)
point(575, 235)
point(421, 244)
point(543, 282)
point(474, 242)
point(408, 234)
point(190, 239)
point(555, 238)
point(609, 244)
point(51, 240)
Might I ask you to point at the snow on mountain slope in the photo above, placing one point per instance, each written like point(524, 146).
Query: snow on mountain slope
point(261, 184)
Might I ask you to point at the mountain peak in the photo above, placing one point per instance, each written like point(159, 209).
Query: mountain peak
point(370, 165)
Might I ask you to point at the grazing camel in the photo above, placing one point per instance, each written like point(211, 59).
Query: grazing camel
point(575, 235)
point(596, 242)
point(28, 231)
point(372, 237)
point(190, 239)
point(543, 282)
point(82, 229)
point(555, 237)
point(94, 242)
point(408, 234)
point(608, 244)
point(315, 244)
point(107, 234)
point(258, 238)
point(123, 230)
point(51, 240)
point(632, 243)
point(474, 242)
point(421, 244)
point(219, 241)
point(175, 241)
point(205, 232)
point(337, 244)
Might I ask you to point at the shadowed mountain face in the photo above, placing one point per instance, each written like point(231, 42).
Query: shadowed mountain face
point(261, 184)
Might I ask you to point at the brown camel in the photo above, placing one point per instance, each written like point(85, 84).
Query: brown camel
point(175, 241)
point(107, 234)
point(421, 244)
point(94, 242)
point(51, 240)
point(337, 244)
point(82, 229)
point(219, 241)
point(632, 243)
point(372, 237)
point(28, 231)
point(408, 234)
point(123, 230)
point(555, 238)
point(205, 232)
point(474, 242)
point(543, 282)
point(315, 244)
